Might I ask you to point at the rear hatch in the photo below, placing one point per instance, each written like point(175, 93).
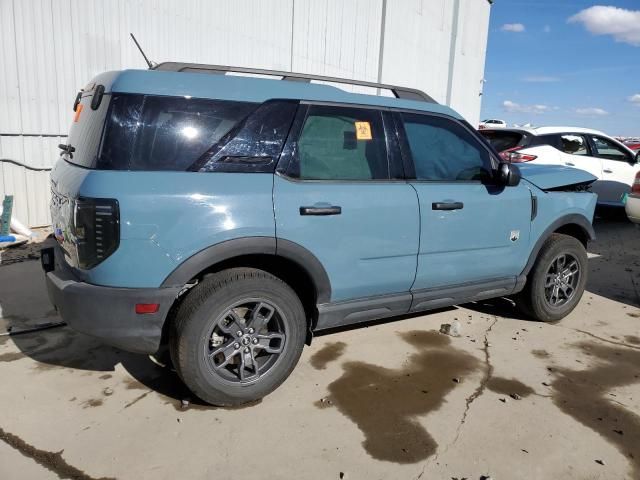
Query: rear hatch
point(503, 139)
point(86, 229)
point(117, 138)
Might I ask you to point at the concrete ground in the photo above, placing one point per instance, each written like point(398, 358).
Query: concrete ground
point(510, 398)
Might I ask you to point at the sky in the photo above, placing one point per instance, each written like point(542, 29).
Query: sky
point(564, 62)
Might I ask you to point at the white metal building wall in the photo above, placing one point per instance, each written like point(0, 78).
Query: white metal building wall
point(49, 49)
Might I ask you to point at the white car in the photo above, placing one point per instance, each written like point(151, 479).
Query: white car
point(492, 123)
point(613, 163)
point(632, 206)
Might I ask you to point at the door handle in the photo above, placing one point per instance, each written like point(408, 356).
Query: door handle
point(321, 211)
point(606, 170)
point(447, 205)
point(570, 164)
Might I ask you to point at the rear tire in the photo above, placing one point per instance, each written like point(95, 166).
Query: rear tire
point(237, 336)
point(556, 281)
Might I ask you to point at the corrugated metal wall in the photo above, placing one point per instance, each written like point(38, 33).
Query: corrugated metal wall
point(49, 49)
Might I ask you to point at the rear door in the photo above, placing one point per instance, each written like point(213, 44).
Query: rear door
point(472, 232)
point(618, 170)
point(339, 193)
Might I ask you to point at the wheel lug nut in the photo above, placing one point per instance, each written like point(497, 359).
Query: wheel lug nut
point(255, 341)
point(246, 350)
point(251, 330)
point(239, 333)
point(236, 346)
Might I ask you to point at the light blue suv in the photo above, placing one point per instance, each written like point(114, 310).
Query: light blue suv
point(232, 217)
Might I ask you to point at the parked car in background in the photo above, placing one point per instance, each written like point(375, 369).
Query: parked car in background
point(633, 144)
point(632, 206)
point(614, 164)
point(492, 123)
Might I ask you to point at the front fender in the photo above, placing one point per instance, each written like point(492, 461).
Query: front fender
point(576, 219)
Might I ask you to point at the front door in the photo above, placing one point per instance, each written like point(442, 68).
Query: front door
point(471, 231)
point(336, 197)
point(618, 170)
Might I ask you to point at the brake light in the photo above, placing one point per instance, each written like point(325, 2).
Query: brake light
point(514, 156)
point(96, 228)
point(635, 188)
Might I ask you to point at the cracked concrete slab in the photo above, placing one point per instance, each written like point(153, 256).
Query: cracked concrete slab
point(389, 400)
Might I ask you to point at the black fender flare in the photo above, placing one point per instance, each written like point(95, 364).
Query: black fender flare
point(229, 249)
point(571, 219)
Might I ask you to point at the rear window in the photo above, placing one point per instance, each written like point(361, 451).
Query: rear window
point(144, 132)
point(503, 140)
point(86, 131)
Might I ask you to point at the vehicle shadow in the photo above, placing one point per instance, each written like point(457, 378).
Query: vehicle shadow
point(614, 273)
point(614, 263)
point(24, 304)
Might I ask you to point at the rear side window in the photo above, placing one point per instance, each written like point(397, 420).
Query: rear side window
point(502, 141)
point(255, 145)
point(165, 133)
point(573, 144)
point(341, 143)
point(443, 150)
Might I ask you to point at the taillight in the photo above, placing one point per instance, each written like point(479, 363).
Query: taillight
point(96, 228)
point(514, 156)
point(635, 188)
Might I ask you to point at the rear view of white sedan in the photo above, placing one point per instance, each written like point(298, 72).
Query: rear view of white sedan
point(614, 164)
point(492, 123)
point(633, 201)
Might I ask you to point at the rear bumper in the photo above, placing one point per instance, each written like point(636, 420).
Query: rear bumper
point(105, 312)
point(632, 208)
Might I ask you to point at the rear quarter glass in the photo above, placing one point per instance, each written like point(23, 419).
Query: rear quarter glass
point(165, 133)
point(150, 133)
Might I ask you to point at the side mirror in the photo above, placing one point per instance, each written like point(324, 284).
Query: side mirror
point(508, 174)
point(638, 156)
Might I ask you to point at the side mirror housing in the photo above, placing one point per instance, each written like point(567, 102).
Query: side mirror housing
point(508, 174)
point(638, 156)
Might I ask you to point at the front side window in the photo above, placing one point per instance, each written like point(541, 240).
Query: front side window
point(573, 144)
point(609, 150)
point(443, 150)
point(341, 143)
point(165, 133)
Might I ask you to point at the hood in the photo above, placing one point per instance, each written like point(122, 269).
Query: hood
point(553, 177)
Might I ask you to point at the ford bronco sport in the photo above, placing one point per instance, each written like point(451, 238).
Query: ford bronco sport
point(231, 217)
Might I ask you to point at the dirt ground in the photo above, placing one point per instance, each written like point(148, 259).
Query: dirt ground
point(509, 398)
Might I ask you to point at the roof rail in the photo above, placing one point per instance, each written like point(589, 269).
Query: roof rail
point(398, 92)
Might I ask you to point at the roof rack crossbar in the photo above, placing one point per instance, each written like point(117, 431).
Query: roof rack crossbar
point(399, 92)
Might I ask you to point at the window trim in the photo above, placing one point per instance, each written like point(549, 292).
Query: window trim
point(289, 152)
point(408, 157)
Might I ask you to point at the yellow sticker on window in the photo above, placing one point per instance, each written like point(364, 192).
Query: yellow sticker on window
point(363, 131)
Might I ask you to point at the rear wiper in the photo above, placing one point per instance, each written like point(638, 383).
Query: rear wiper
point(67, 148)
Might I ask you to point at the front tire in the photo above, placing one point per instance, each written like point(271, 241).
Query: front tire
point(237, 336)
point(556, 281)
